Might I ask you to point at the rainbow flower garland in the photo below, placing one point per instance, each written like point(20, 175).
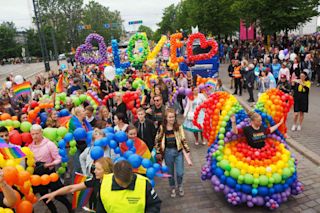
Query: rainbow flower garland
point(244, 174)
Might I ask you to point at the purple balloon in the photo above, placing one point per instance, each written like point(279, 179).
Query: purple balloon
point(250, 204)
point(181, 90)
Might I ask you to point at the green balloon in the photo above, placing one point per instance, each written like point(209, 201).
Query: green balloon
point(221, 142)
point(235, 173)
point(61, 170)
point(219, 158)
point(222, 130)
point(135, 84)
point(256, 181)
point(9, 123)
point(240, 178)
point(63, 96)
point(83, 97)
point(92, 102)
point(72, 143)
point(277, 178)
point(25, 126)
point(62, 131)
point(65, 164)
point(16, 124)
point(263, 180)
point(221, 136)
point(1, 123)
point(248, 178)
point(286, 172)
point(57, 106)
point(224, 164)
point(228, 168)
point(76, 101)
point(50, 133)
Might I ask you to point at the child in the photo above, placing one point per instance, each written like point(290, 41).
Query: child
point(263, 83)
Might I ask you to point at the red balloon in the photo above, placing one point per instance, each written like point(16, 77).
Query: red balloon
point(34, 104)
point(26, 138)
point(15, 137)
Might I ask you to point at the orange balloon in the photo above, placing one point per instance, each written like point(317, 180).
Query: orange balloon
point(25, 189)
point(35, 180)
point(24, 207)
point(24, 175)
point(5, 116)
point(30, 196)
point(37, 109)
point(54, 177)
point(45, 180)
point(14, 118)
point(10, 174)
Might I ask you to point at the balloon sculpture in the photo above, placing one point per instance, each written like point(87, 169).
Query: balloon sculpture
point(261, 177)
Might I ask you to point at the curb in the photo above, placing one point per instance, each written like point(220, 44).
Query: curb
point(310, 155)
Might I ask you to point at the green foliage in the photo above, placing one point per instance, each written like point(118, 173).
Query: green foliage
point(8, 45)
point(147, 30)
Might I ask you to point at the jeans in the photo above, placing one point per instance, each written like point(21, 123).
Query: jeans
point(238, 85)
point(174, 159)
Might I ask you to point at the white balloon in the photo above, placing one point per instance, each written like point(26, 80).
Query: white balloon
point(18, 79)
point(292, 56)
point(109, 73)
point(8, 84)
point(281, 56)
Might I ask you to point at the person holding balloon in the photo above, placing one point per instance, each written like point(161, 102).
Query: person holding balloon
point(171, 145)
point(46, 156)
point(255, 133)
point(100, 167)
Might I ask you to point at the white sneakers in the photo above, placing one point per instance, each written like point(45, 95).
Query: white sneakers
point(173, 192)
point(294, 128)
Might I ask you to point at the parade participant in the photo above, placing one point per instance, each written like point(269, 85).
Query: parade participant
point(284, 84)
point(170, 142)
point(275, 67)
point(237, 78)
point(219, 86)
point(250, 78)
point(102, 166)
point(255, 133)
point(86, 161)
point(90, 116)
point(120, 106)
point(192, 103)
point(230, 72)
point(47, 157)
point(146, 129)
point(182, 82)
point(284, 71)
point(189, 79)
point(263, 83)
point(52, 119)
point(301, 89)
point(104, 114)
point(157, 111)
point(123, 190)
point(75, 86)
point(119, 121)
point(8, 197)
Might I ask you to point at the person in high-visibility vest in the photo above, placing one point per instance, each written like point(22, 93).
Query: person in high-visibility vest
point(237, 78)
point(124, 191)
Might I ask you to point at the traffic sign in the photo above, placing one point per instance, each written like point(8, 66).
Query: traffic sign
point(135, 22)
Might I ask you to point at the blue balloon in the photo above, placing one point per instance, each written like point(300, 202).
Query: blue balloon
point(140, 49)
point(43, 117)
point(109, 136)
point(271, 191)
point(89, 137)
point(113, 144)
point(98, 142)
point(96, 152)
point(164, 169)
point(65, 159)
point(133, 149)
point(127, 154)
point(152, 183)
point(119, 159)
point(117, 150)
point(63, 67)
point(151, 172)
point(62, 144)
point(231, 182)
point(109, 130)
point(157, 167)
point(62, 152)
point(238, 187)
point(63, 113)
point(218, 172)
point(80, 134)
point(68, 137)
point(263, 191)
point(146, 163)
point(105, 142)
point(246, 188)
point(120, 137)
point(254, 191)
point(135, 160)
point(129, 143)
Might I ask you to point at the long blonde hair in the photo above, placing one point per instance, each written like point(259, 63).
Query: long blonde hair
point(106, 164)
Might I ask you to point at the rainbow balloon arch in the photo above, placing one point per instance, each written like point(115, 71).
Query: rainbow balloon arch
point(257, 177)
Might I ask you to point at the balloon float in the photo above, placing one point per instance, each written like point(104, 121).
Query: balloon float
point(134, 58)
point(203, 44)
point(87, 49)
point(175, 43)
point(116, 57)
point(261, 177)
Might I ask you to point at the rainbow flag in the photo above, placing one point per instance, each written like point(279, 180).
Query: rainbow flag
point(80, 198)
point(96, 100)
point(212, 82)
point(23, 88)
point(59, 86)
point(10, 152)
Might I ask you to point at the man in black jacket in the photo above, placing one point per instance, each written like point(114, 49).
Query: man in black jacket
point(249, 75)
point(146, 129)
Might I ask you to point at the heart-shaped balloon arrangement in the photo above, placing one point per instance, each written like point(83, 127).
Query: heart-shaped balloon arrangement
point(85, 54)
point(203, 44)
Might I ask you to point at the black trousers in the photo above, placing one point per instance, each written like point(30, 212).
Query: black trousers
point(250, 91)
point(238, 84)
point(180, 98)
point(53, 186)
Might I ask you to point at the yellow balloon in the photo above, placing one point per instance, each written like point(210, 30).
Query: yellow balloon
point(19, 168)
point(30, 170)
point(10, 162)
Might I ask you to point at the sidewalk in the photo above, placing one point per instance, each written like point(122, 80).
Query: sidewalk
point(305, 141)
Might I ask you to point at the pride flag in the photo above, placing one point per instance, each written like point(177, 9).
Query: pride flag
point(59, 86)
point(10, 152)
point(80, 198)
point(23, 88)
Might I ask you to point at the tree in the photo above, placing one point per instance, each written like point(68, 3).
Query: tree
point(168, 21)
point(8, 45)
point(147, 30)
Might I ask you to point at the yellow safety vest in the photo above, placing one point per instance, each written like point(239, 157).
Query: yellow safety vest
point(120, 201)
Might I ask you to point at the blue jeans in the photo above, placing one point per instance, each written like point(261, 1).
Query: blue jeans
point(173, 158)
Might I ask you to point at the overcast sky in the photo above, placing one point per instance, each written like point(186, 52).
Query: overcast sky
point(149, 11)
